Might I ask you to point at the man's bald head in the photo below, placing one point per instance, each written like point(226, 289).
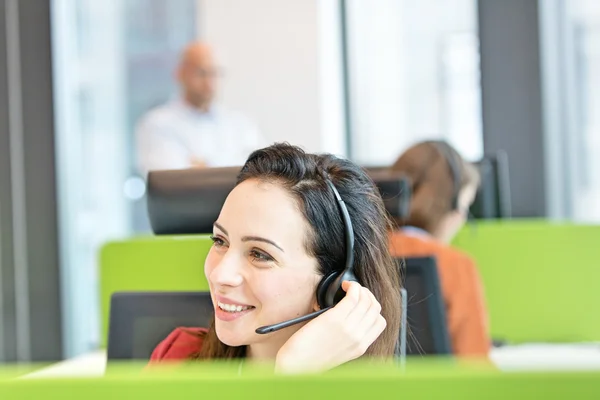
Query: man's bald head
point(197, 52)
point(197, 74)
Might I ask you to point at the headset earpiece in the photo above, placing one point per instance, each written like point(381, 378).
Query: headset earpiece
point(329, 290)
point(323, 290)
point(455, 170)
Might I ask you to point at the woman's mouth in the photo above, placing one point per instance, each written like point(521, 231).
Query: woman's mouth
point(228, 310)
point(233, 308)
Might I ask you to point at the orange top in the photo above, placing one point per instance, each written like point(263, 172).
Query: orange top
point(179, 345)
point(462, 290)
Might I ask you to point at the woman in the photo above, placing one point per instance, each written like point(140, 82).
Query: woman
point(281, 231)
point(443, 188)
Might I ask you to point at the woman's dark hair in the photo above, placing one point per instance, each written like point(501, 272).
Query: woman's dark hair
point(432, 181)
point(304, 176)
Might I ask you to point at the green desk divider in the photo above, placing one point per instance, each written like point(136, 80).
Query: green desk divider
point(156, 263)
point(356, 383)
point(541, 279)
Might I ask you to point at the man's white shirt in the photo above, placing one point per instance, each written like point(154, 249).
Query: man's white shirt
point(169, 136)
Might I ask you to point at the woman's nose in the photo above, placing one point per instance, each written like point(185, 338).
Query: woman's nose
point(228, 272)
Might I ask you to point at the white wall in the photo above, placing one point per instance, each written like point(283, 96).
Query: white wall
point(282, 66)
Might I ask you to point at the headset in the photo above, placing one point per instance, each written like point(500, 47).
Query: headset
point(455, 170)
point(329, 290)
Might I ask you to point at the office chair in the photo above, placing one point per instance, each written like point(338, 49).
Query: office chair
point(427, 325)
point(139, 321)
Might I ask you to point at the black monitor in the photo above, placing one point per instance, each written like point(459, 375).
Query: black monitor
point(493, 198)
point(395, 190)
point(426, 316)
point(189, 201)
point(139, 321)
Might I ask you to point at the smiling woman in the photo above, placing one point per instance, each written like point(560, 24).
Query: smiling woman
point(280, 241)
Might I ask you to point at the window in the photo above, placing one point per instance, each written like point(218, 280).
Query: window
point(113, 59)
point(414, 75)
point(583, 21)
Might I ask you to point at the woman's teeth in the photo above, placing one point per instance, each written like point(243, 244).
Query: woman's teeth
point(232, 307)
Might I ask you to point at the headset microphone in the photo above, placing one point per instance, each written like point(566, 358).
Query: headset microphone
point(285, 324)
point(329, 290)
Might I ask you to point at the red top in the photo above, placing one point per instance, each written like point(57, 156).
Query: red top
point(179, 345)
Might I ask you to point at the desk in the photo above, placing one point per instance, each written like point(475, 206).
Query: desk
point(526, 357)
point(548, 357)
point(87, 365)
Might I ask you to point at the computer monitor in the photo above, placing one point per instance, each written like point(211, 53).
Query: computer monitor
point(189, 201)
point(493, 199)
point(426, 316)
point(395, 190)
point(139, 321)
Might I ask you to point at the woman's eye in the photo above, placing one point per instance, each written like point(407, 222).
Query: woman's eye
point(260, 256)
point(217, 241)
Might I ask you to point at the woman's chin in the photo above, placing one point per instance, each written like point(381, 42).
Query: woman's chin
point(230, 338)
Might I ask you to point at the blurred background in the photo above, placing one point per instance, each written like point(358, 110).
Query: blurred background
point(361, 79)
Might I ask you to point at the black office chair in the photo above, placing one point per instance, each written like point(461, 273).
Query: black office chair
point(427, 325)
point(139, 321)
point(189, 201)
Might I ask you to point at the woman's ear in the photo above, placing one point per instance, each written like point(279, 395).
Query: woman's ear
point(316, 305)
point(317, 283)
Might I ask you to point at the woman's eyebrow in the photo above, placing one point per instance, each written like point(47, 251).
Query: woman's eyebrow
point(261, 239)
point(220, 228)
point(250, 238)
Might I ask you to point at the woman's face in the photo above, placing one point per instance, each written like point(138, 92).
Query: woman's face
point(258, 269)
